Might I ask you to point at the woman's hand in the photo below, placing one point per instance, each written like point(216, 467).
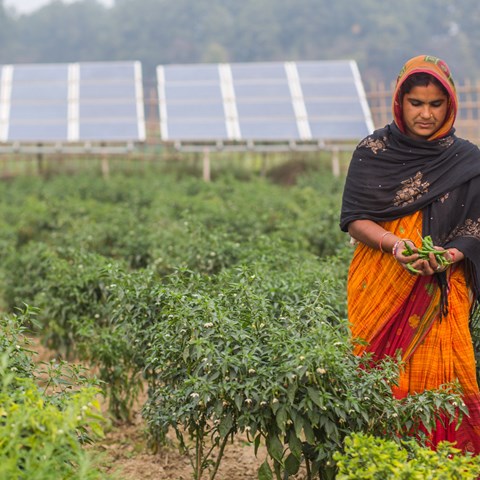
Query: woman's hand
point(423, 266)
point(405, 253)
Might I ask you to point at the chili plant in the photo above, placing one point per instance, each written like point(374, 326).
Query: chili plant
point(223, 359)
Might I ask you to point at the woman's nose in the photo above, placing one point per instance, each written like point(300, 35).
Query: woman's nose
point(426, 112)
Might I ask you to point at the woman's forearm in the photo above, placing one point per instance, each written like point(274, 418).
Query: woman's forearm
point(372, 234)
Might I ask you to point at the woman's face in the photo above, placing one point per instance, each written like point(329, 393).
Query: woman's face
point(424, 110)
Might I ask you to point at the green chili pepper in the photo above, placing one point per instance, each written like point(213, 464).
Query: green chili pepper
point(424, 252)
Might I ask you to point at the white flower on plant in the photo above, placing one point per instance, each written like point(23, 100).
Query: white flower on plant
point(194, 395)
point(321, 371)
point(251, 371)
point(248, 401)
point(208, 325)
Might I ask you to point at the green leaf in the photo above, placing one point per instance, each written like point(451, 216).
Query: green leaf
point(292, 464)
point(256, 443)
point(275, 447)
point(298, 424)
point(225, 425)
point(309, 434)
point(314, 396)
point(281, 418)
point(265, 472)
point(295, 444)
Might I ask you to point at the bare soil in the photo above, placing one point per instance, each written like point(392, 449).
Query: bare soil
point(127, 456)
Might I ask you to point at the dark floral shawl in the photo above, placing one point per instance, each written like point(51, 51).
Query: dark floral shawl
point(392, 175)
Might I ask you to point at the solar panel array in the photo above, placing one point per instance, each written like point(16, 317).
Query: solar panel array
point(74, 102)
point(262, 102)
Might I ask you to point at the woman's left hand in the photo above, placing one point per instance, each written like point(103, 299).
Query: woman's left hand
point(433, 265)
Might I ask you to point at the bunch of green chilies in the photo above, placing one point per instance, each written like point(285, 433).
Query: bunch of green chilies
point(424, 253)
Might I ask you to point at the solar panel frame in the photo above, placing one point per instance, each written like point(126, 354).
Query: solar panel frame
point(51, 103)
point(263, 102)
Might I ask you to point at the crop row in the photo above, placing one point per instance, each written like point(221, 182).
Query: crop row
point(227, 300)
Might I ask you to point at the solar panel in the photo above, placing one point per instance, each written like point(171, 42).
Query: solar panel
point(262, 102)
point(74, 102)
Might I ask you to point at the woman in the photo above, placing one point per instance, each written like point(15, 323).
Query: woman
point(411, 179)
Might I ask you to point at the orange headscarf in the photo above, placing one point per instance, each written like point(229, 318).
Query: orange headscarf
point(438, 69)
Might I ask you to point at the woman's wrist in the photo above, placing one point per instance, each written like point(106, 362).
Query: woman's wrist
point(381, 245)
point(398, 243)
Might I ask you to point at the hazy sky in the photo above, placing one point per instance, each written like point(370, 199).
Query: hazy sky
point(28, 6)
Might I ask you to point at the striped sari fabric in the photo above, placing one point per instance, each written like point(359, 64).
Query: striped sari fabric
point(392, 311)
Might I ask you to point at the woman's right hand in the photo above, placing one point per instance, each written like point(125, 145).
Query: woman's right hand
point(405, 253)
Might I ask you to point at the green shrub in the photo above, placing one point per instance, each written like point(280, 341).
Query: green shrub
point(223, 359)
point(370, 458)
point(47, 413)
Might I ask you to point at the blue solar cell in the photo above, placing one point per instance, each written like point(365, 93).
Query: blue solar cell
point(107, 90)
point(201, 130)
point(191, 73)
point(36, 92)
point(258, 71)
point(263, 90)
point(19, 112)
point(339, 130)
point(270, 110)
point(195, 110)
point(103, 110)
point(328, 108)
point(272, 130)
point(175, 92)
point(112, 131)
point(36, 132)
point(334, 69)
point(329, 89)
point(38, 73)
point(101, 72)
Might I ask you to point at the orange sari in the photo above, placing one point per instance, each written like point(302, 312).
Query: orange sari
point(381, 309)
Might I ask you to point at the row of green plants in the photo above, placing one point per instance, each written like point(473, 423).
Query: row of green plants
point(225, 299)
